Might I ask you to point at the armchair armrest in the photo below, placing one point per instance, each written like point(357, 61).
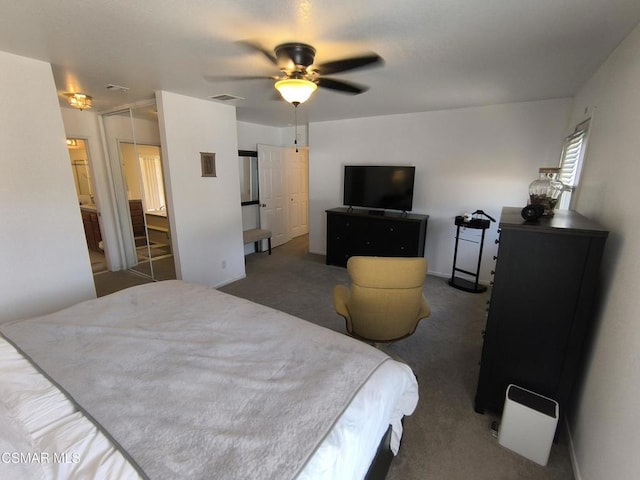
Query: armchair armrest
point(341, 296)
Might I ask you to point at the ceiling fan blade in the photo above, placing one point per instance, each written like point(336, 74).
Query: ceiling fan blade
point(229, 78)
point(341, 86)
point(343, 65)
point(256, 47)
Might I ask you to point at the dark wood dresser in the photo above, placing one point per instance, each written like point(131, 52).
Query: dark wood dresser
point(358, 232)
point(137, 218)
point(91, 225)
point(541, 308)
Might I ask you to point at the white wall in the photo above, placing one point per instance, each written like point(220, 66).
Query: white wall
point(606, 428)
point(43, 252)
point(251, 134)
point(205, 214)
point(467, 159)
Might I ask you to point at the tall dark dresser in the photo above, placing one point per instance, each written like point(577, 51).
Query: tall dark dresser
point(541, 306)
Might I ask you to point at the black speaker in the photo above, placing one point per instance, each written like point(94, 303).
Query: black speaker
point(532, 212)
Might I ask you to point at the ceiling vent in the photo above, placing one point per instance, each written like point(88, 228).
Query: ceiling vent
point(225, 97)
point(118, 88)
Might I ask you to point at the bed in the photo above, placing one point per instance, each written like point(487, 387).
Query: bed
point(178, 380)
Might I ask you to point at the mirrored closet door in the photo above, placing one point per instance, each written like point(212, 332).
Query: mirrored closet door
point(133, 144)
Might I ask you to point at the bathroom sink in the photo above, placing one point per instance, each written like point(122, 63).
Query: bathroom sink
point(91, 207)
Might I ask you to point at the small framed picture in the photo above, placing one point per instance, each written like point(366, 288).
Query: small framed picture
point(208, 161)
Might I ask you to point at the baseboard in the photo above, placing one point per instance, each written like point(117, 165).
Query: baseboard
point(572, 452)
point(438, 274)
point(481, 281)
point(229, 281)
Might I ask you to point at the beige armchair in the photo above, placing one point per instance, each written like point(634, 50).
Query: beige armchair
point(385, 301)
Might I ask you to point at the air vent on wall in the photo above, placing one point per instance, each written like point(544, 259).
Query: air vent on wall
point(225, 97)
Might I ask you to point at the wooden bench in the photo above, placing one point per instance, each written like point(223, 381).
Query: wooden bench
point(256, 235)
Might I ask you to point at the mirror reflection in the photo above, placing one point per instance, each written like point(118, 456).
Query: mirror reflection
point(79, 156)
point(248, 177)
point(80, 168)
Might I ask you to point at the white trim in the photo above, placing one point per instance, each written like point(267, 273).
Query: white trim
point(572, 452)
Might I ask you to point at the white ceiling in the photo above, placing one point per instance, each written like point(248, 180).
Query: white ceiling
point(439, 54)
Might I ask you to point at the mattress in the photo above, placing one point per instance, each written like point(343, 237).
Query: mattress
point(46, 433)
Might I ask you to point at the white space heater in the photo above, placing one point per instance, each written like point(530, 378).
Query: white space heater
point(528, 424)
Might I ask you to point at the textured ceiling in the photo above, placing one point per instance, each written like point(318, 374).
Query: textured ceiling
point(438, 54)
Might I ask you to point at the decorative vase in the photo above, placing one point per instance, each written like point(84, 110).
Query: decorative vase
point(546, 190)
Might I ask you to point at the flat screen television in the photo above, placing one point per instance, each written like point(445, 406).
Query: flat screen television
point(388, 187)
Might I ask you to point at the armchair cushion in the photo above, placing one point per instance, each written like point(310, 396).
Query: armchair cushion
point(385, 301)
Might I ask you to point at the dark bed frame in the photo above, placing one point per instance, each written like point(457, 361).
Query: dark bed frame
point(382, 461)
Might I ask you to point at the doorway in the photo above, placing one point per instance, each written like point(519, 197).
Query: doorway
point(283, 177)
point(85, 190)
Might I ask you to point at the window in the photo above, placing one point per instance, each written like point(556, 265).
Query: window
point(571, 162)
point(151, 169)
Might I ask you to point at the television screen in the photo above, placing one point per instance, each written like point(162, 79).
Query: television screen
point(379, 186)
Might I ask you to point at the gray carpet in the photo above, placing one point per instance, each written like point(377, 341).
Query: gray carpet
point(107, 282)
point(110, 282)
point(444, 438)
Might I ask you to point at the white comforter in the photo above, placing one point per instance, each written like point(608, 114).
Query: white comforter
point(345, 453)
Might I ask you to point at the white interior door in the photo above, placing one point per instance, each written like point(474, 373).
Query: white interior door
point(273, 192)
point(298, 190)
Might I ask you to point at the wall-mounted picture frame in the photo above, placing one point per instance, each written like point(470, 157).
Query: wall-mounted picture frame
point(208, 163)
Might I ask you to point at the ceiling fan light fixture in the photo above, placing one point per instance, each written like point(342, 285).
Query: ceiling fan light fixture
point(79, 100)
point(295, 90)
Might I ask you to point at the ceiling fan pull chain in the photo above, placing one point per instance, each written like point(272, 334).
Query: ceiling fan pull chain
point(295, 133)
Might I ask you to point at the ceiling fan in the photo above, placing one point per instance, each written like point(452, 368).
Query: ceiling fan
point(300, 76)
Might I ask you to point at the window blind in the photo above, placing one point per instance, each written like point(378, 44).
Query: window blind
point(571, 162)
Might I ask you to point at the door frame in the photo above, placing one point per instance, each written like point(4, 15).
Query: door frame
point(275, 210)
point(272, 190)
